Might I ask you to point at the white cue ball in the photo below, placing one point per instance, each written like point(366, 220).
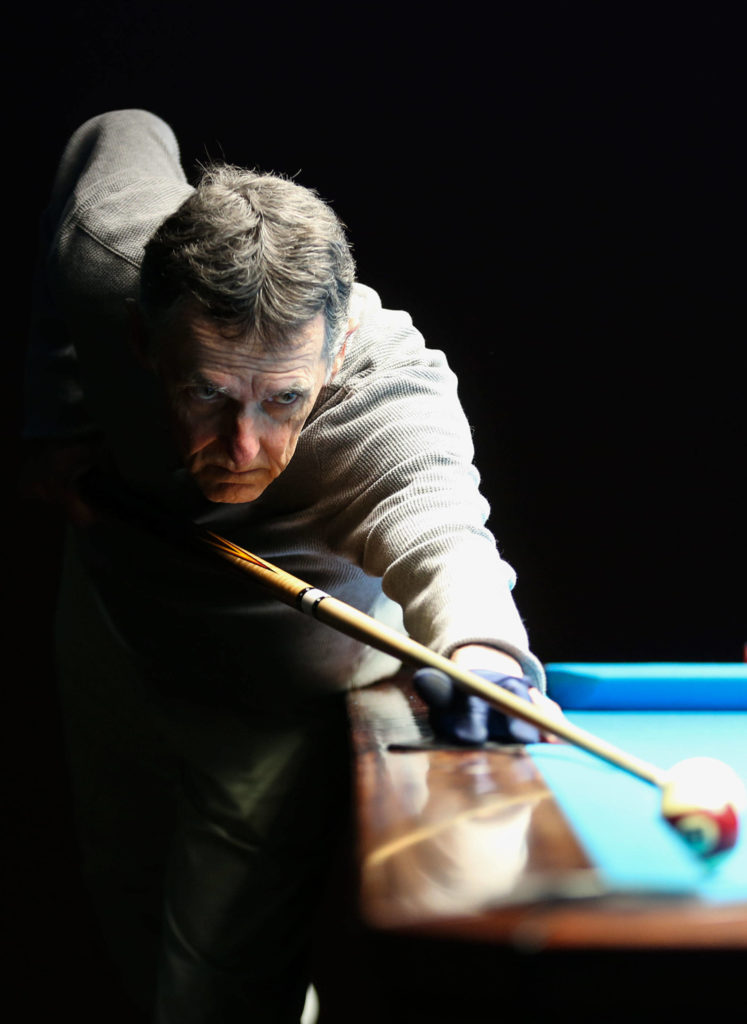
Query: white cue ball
point(702, 798)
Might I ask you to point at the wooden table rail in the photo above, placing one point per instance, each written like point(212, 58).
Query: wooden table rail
point(469, 844)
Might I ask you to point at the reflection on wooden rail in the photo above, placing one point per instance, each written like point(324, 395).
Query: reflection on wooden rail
point(470, 844)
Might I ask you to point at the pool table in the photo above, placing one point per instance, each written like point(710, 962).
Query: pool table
point(544, 864)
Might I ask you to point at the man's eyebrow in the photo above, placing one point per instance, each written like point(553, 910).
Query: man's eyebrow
point(198, 379)
point(301, 386)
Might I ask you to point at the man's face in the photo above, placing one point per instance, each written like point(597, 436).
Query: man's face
point(237, 410)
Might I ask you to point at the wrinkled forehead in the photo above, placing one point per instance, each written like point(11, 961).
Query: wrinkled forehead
point(190, 340)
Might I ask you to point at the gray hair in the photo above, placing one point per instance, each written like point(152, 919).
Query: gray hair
point(261, 255)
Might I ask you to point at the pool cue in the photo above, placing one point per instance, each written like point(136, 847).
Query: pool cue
point(106, 494)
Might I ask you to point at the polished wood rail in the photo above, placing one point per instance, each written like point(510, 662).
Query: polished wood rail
point(470, 845)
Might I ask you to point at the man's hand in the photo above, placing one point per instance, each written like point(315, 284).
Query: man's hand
point(460, 717)
point(467, 719)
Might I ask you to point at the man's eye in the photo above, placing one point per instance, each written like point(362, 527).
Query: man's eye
point(205, 392)
point(285, 398)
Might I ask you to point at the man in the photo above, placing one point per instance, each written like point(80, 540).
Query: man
point(210, 347)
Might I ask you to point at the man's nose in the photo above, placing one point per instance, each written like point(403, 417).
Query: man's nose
point(242, 442)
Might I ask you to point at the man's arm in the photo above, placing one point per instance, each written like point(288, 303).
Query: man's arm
point(88, 252)
point(395, 451)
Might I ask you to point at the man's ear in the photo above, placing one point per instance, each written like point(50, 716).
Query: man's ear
point(139, 335)
point(337, 361)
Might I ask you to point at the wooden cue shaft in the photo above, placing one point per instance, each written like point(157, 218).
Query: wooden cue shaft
point(346, 619)
point(109, 494)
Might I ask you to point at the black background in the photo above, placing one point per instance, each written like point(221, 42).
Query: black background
point(553, 191)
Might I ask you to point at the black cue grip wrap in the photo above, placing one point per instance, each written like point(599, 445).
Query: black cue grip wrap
point(111, 496)
point(108, 494)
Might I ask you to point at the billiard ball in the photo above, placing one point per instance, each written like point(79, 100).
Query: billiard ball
point(702, 799)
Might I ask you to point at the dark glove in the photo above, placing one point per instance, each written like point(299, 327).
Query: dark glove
point(463, 718)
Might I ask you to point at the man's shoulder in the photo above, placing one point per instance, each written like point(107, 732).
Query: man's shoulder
point(126, 181)
point(385, 341)
point(367, 308)
point(121, 213)
point(386, 373)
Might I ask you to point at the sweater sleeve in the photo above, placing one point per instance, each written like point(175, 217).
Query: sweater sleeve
point(398, 456)
point(103, 160)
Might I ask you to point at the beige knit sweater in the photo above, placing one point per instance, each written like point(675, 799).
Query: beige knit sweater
point(379, 506)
